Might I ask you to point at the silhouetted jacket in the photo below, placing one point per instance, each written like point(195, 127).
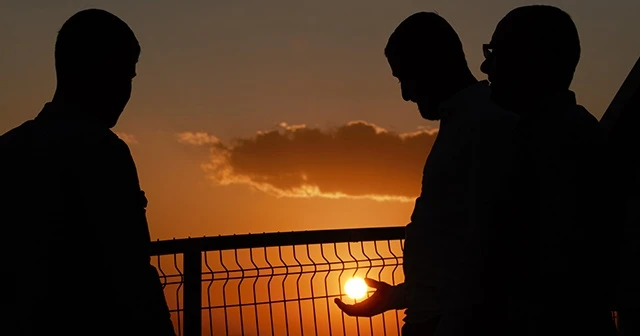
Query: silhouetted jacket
point(74, 215)
point(465, 187)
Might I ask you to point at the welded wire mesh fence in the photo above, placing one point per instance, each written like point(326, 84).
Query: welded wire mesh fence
point(277, 283)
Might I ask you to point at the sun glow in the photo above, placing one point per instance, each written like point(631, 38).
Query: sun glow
point(356, 288)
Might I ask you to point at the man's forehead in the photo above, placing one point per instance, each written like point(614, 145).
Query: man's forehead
point(503, 31)
point(514, 29)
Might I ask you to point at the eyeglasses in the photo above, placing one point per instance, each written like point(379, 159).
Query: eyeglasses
point(487, 50)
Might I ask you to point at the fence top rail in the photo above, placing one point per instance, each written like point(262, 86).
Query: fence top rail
point(272, 239)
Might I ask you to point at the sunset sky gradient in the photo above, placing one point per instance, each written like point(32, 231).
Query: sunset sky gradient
point(253, 116)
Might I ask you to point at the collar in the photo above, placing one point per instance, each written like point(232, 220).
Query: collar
point(470, 95)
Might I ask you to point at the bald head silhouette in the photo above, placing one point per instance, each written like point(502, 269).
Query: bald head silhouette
point(533, 53)
point(95, 57)
point(426, 55)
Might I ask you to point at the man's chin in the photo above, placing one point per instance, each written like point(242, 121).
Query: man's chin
point(431, 117)
point(431, 114)
point(112, 122)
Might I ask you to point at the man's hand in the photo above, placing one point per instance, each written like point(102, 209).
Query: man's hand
point(386, 297)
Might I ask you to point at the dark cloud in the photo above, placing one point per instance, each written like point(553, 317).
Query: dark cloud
point(356, 160)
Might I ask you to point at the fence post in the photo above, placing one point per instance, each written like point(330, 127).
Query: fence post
point(192, 292)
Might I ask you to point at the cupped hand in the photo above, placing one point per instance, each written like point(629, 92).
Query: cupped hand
point(380, 301)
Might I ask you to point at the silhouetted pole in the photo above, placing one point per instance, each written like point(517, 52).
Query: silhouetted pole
point(622, 99)
point(193, 292)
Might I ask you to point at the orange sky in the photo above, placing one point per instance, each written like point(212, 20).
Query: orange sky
point(220, 84)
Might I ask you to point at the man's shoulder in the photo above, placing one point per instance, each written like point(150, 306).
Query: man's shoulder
point(579, 123)
point(588, 119)
point(66, 136)
point(88, 132)
point(99, 143)
point(104, 142)
point(110, 139)
point(91, 136)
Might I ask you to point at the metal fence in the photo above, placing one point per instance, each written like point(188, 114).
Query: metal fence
point(277, 283)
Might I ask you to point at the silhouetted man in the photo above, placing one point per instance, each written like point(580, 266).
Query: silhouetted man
point(450, 258)
point(74, 224)
point(563, 245)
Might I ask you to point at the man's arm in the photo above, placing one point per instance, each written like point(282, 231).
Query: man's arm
point(117, 209)
point(399, 296)
point(439, 227)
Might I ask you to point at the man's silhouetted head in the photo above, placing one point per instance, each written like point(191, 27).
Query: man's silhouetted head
point(95, 56)
point(426, 55)
point(534, 52)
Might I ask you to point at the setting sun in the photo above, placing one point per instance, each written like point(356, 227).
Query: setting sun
point(356, 288)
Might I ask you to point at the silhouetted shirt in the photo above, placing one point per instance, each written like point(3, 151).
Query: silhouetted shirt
point(76, 215)
point(624, 142)
point(465, 179)
point(569, 245)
